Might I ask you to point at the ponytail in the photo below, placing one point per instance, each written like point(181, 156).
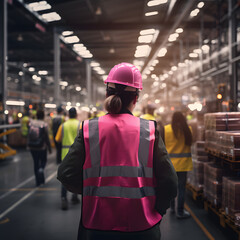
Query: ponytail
point(113, 104)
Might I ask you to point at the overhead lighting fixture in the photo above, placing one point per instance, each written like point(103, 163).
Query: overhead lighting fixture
point(162, 52)
point(173, 68)
point(50, 105)
point(39, 6)
point(147, 31)
point(50, 17)
point(15, 103)
point(20, 73)
point(173, 37)
point(181, 64)
point(198, 51)
point(179, 30)
point(31, 69)
point(78, 89)
point(94, 64)
point(67, 33)
point(78, 104)
point(145, 39)
point(156, 2)
point(194, 13)
point(193, 55)
point(42, 72)
point(200, 5)
point(142, 51)
point(148, 14)
point(205, 48)
point(72, 39)
point(63, 83)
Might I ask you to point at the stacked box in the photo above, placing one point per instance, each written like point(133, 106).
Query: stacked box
point(212, 189)
point(231, 198)
point(199, 156)
point(224, 121)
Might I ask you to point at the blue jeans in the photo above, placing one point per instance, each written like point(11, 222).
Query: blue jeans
point(182, 179)
point(39, 163)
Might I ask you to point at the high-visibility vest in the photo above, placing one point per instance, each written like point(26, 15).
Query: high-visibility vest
point(118, 179)
point(69, 132)
point(179, 152)
point(24, 126)
point(148, 116)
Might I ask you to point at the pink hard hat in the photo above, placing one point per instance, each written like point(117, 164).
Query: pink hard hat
point(125, 74)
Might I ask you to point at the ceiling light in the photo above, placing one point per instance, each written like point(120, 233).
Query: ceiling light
point(148, 14)
point(147, 31)
point(145, 39)
point(173, 37)
point(200, 5)
point(151, 68)
point(43, 72)
point(20, 73)
point(101, 72)
point(181, 64)
point(142, 51)
point(78, 104)
point(194, 13)
point(173, 68)
point(39, 6)
point(153, 76)
point(193, 55)
point(63, 83)
point(25, 65)
point(162, 52)
point(67, 33)
point(72, 39)
point(31, 69)
point(165, 75)
point(179, 30)
point(15, 103)
point(198, 51)
point(170, 72)
point(138, 62)
point(155, 84)
point(205, 48)
point(78, 89)
point(97, 68)
point(156, 2)
point(50, 105)
point(50, 17)
point(94, 64)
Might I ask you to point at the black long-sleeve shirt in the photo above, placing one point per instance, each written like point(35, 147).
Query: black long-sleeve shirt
point(70, 172)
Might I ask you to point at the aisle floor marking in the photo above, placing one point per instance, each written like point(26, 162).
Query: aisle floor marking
point(25, 197)
point(21, 184)
point(207, 233)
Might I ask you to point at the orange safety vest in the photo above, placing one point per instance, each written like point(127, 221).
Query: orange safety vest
point(118, 179)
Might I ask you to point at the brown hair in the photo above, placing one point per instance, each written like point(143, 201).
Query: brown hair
point(118, 99)
point(179, 126)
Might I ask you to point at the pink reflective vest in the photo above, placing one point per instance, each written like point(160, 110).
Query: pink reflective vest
point(118, 179)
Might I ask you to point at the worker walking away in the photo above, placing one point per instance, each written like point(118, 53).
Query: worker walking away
point(149, 115)
point(120, 166)
point(56, 122)
point(66, 134)
point(178, 140)
point(38, 142)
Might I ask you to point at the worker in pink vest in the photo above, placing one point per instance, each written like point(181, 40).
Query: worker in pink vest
point(120, 166)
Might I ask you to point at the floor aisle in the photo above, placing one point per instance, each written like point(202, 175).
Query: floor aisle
point(29, 213)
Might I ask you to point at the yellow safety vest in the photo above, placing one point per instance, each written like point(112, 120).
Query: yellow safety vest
point(24, 126)
point(179, 153)
point(69, 133)
point(147, 116)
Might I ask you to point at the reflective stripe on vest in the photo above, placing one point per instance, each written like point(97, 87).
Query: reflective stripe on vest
point(180, 155)
point(118, 173)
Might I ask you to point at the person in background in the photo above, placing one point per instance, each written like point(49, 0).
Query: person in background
point(149, 115)
point(120, 166)
point(38, 142)
point(66, 134)
point(25, 122)
point(56, 122)
point(178, 140)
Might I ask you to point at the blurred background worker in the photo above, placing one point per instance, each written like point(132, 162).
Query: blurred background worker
point(149, 112)
point(120, 166)
point(25, 122)
point(178, 140)
point(56, 122)
point(38, 142)
point(66, 134)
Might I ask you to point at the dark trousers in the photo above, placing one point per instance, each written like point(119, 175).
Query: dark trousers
point(58, 152)
point(64, 193)
point(182, 179)
point(90, 234)
point(39, 163)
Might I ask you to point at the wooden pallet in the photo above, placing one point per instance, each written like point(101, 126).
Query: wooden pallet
point(197, 194)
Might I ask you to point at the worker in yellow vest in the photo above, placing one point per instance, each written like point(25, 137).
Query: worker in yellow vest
point(178, 140)
point(24, 124)
point(149, 115)
point(66, 134)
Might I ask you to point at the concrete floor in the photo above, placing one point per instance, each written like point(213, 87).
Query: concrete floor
point(29, 213)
